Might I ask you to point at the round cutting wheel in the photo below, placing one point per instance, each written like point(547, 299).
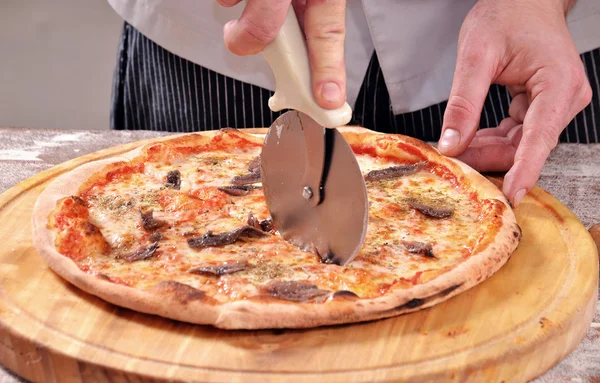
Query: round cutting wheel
point(314, 188)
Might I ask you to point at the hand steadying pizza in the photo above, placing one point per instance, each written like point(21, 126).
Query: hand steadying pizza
point(526, 46)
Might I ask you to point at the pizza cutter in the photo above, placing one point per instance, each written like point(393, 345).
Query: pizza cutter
point(314, 188)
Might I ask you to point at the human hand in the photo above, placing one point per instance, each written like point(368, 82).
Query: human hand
point(525, 45)
point(324, 25)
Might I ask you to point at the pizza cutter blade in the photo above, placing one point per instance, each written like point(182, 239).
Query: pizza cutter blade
point(314, 188)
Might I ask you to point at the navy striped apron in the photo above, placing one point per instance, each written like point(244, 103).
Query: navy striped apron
point(156, 90)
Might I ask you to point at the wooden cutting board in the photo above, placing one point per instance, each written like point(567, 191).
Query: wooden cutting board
point(513, 327)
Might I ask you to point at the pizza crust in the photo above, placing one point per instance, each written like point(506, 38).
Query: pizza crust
point(184, 303)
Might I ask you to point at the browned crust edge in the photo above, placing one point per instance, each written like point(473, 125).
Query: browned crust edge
point(254, 314)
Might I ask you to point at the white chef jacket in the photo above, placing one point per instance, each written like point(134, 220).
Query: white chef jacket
point(415, 41)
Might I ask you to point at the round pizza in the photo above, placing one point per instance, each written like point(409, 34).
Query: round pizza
point(180, 228)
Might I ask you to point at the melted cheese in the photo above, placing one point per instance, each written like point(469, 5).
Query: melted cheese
point(198, 207)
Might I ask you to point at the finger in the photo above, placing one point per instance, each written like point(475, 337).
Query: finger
point(518, 107)
point(513, 135)
point(325, 30)
point(541, 128)
point(514, 90)
point(501, 131)
point(257, 27)
point(472, 78)
point(228, 3)
point(493, 153)
point(556, 99)
point(299, 7)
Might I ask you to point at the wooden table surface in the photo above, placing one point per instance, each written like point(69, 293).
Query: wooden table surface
point(571, 174)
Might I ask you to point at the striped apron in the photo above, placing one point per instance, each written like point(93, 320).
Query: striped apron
point(156, 90)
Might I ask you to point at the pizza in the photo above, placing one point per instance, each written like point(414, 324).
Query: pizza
point(179, 228)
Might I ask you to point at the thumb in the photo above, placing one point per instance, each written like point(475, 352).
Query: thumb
point(325, 30)
point(472, 79)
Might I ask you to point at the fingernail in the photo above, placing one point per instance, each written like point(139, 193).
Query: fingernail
point(449, 140)
point(518, 197)
point(228, 26)
point(331, 92)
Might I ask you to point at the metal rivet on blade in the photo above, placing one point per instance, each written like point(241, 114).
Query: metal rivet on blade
point(307, 193)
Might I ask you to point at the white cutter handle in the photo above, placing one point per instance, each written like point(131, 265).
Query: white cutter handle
point(287, 55)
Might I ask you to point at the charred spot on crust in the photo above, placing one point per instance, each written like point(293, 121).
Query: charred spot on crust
point(345, 294)
point(518, 234)
point(148, 220)
point(413, 303)
point(219, 270)
point(264, 225)
point(294, 291)
point(173, 179)
point(415, 247)
point(142, 253)
point(182, 292)
point(448, 290)
point(246, 179)
point(417, 302)
point(394, 171)
point(254, 165)
point(213, 240)
point(431, 211)
point(238, 190)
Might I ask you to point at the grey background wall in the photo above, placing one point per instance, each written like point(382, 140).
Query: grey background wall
point(56, 63)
